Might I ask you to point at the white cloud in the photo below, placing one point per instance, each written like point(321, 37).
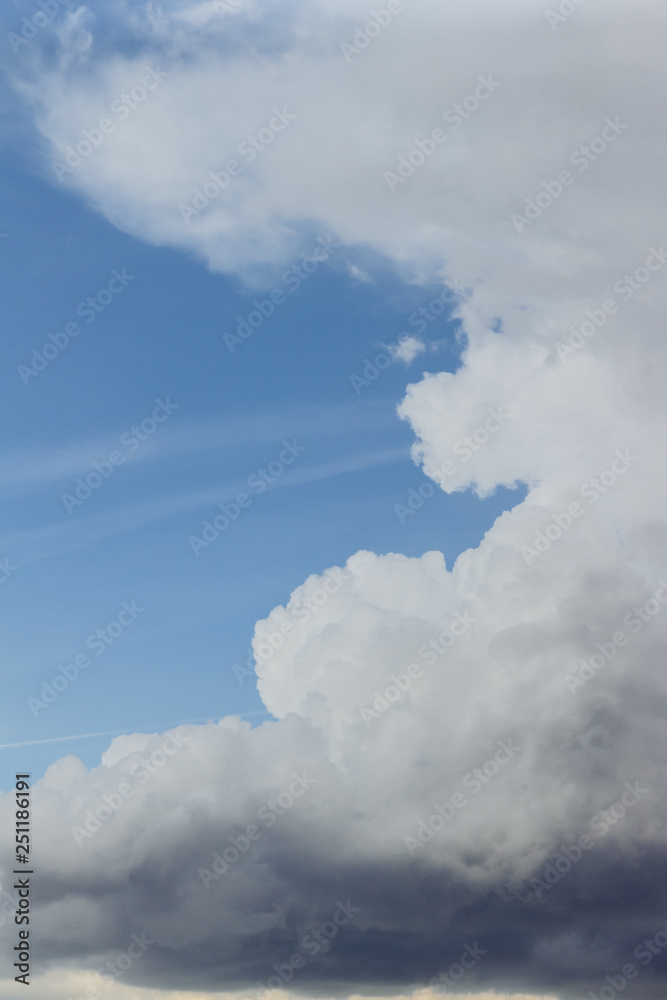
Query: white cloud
point(407, 349)
point(533, 616)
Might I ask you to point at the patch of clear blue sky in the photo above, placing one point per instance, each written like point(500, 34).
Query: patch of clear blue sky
point(162, 337)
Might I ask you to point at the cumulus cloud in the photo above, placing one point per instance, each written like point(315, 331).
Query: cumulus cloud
point(444, 737)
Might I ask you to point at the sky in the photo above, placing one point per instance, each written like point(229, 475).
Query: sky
point(332, 564)
point(224, 417)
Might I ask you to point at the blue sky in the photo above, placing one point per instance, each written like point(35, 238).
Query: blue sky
point(161, 338)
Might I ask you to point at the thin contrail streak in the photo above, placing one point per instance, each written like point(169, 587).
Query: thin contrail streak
point(113, 732)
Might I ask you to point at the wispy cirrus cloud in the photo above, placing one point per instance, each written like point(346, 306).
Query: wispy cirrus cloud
point(52, 539)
